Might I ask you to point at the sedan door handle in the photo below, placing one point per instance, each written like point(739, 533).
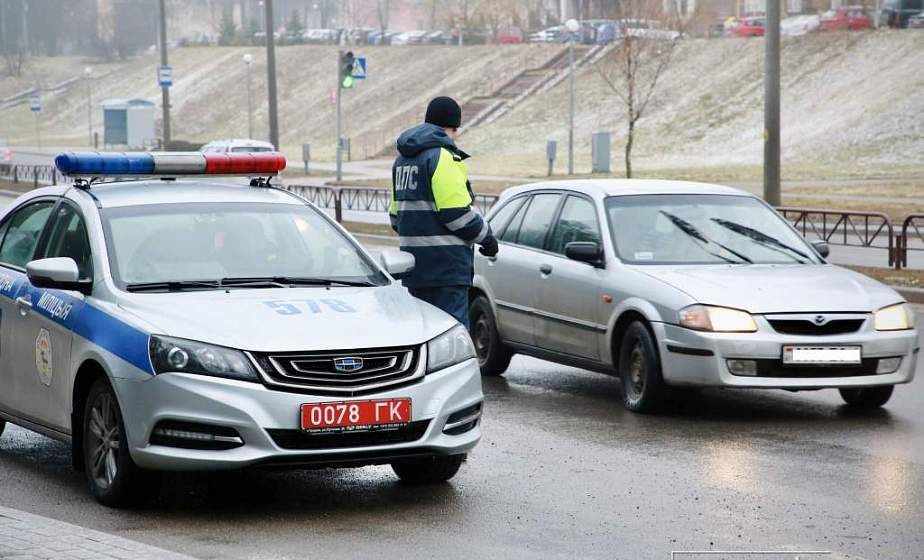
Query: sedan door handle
point(546, 269)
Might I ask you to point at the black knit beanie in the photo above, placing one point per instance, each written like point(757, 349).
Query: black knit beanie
point(444, 112)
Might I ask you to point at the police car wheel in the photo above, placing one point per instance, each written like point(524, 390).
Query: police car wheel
point(493, 356)
point(643, 388)
point(867, 397)
point(112, 476)
point(428, 470)
point(2, 427)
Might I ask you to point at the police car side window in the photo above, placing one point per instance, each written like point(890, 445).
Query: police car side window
point(23, 229)
point(69, 239)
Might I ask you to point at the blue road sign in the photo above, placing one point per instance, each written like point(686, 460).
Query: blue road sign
point(165, 76)
point(35, 103)
point(359, 68)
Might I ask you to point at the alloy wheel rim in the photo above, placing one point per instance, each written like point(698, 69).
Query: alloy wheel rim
point(103, 441)
point(637, 371)
point(482, 338)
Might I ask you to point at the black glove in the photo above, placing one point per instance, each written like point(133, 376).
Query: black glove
point(488, 247)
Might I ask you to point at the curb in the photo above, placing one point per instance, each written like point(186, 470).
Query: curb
point(912, 295)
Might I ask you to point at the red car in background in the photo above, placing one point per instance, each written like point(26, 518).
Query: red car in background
point(750, 27)
point(851, 18)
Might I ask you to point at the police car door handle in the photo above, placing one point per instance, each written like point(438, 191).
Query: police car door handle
point(545, 269)
point(25, 304)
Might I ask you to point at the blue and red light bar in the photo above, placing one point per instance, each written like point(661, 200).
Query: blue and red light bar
point(108, 164)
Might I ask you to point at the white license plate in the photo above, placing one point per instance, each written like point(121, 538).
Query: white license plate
point(822, 355)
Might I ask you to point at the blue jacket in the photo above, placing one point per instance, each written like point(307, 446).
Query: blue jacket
point(431, 208)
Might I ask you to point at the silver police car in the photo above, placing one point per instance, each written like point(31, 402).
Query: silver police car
point(668, 283)
point(175, 323)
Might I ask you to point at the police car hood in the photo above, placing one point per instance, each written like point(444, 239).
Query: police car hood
point(292, 319)
point(424, 137)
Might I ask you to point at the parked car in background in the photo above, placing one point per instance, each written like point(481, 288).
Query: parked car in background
point(648, 29)
point(850, 18)
point(800, 25)
point(749, 27)
point(237, 145)
point(897, 13)
point(509, 36)
point(916, 21)
point(436, 38)
point(409, 38)
point(320, 36)
point(608, 32)
point(548, 35)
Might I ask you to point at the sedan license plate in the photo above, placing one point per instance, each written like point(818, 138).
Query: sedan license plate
point(355, 415)
point(822, 355)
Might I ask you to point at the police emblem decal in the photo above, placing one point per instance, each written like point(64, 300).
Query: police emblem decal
point(43, 357)
point(348, 365)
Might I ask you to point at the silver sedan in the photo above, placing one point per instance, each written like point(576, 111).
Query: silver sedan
point(668, 283)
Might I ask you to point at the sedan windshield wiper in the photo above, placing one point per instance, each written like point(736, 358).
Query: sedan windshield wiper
point(691, 230)
point(762, 238)
point(286, 281)
point(172, 285)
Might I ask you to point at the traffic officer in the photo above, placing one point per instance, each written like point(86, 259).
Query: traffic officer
point(431, 210)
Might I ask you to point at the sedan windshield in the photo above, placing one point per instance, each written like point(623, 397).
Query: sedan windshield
point(702, 229)
point(170, 247)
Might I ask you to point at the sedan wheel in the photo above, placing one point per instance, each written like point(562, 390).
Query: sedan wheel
point(867, 397)
point(493, 356)
point(640, 370)
point(2, 427)
point(112, 476)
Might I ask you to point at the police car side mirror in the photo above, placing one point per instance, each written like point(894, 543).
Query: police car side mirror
point(397, 263)
point(57, 273)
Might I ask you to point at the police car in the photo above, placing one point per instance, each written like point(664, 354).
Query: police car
point(178, 321)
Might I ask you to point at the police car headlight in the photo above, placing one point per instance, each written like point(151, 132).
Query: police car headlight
point(450, 348)
point(189, 356)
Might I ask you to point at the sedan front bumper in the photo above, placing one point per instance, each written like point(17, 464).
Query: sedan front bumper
point(695, 358)
point(267, 421)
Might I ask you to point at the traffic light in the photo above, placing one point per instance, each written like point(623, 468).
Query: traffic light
point(346, 69)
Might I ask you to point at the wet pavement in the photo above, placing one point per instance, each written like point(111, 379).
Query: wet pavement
point(562, 472)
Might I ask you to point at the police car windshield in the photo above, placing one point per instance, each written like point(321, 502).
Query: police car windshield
point(702, 229)
point(208, 246)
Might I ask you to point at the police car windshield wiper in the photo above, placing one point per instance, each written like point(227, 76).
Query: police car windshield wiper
point(286, 281)
point(689, 229)
point(762, 238)
point(172, 286)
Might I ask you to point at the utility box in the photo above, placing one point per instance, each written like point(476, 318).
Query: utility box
point(600, 152)
point(128, 122)
point(551, 147)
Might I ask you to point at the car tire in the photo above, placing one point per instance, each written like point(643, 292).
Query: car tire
point(867, 397)
point(493, 355)
point(428, 470)
point(643, 388)
point(112, 476)
point(2, 427)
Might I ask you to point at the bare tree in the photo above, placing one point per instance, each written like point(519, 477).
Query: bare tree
point(635, 65)
point(382, 12)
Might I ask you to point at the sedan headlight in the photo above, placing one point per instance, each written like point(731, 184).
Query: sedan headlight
point(189, 356)
point(895, 318)
point(450, 348)
point(716, 319)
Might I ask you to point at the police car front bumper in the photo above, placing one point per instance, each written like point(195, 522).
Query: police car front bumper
point(266, 422)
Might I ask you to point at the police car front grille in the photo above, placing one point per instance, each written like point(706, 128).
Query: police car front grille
point(340, 372)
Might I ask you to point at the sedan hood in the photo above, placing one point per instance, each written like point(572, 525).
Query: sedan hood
point(777, 288)
point(293, 319)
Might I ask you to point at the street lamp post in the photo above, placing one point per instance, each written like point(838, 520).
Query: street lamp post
point(88, 72)
point(248, 60)
point(271, 72)
point(572, 26)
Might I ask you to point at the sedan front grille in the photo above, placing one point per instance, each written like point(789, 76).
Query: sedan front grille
point(817, 324)
point(344, 373)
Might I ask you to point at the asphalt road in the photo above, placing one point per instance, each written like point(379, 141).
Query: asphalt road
point(562, 472)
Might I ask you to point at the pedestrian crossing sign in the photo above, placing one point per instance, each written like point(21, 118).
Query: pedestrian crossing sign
point(359, 68)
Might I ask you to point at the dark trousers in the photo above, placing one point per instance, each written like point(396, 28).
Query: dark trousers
point(451, 299)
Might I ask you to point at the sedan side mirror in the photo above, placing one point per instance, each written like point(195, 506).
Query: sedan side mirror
point(57, 273)
point(397, 263)
point(821, 248)
point(584, 251)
